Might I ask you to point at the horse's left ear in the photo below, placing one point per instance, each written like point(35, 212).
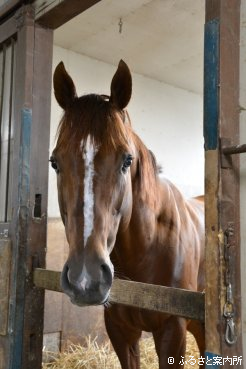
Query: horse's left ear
point(121, 86)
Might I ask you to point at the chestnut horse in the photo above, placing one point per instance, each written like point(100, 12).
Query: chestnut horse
point(121, 219)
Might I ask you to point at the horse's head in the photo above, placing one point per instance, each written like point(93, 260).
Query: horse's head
point(92, 160)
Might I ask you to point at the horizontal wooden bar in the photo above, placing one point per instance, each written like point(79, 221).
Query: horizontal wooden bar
point(169, 300)
point(54, 13)
point(8, 7)
point(7, 29)
point(48, 279)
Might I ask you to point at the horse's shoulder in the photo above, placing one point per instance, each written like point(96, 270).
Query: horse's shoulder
point(192, 207)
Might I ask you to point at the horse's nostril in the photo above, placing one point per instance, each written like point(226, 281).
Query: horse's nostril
point(65, 283)
point(107, 273)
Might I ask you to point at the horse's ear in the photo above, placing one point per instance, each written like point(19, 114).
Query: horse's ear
point(65, 91)
point(121, 86)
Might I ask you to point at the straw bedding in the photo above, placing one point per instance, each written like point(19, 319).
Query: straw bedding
point(93, 356)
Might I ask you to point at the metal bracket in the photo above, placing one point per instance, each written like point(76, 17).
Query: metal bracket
point(227, 150)
point(226, 160)
point(4, 233)
point(228, 310)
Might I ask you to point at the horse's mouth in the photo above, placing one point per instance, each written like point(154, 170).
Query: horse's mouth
point(76, 300)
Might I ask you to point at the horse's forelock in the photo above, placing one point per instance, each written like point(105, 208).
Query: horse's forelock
point(92, 115)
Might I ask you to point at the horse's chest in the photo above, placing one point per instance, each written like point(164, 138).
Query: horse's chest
point(137, 319)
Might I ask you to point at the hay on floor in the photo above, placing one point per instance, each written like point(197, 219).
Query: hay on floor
point(93, 356)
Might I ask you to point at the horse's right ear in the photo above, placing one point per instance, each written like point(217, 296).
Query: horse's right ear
point(65, 91)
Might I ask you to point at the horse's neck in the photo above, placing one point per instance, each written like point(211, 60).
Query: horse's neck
point(149, 214)
point(160, 208)
point(143, 243)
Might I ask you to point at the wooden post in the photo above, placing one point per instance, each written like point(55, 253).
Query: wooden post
point(221, 122)
point(22, 330)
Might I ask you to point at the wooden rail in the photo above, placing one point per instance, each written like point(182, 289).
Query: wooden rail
point(169, 300)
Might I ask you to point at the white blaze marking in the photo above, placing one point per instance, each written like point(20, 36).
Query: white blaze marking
point(89, 152)
point(83, 283)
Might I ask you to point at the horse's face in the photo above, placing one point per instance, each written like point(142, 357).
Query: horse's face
point(94, 185)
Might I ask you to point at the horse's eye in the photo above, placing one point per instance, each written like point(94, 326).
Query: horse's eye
point(54, 164)
point(127, 162)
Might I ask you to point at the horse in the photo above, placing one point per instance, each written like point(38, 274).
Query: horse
point(122, 220)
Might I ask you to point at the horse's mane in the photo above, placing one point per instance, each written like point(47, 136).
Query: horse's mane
point(94, 115)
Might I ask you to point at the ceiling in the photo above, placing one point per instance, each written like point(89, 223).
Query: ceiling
point(160, 39)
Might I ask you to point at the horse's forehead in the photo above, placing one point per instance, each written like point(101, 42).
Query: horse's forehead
point(90, 151)
point(88, 147)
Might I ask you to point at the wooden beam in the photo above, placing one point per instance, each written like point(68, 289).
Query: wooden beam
point(229, 206)
point(38, 193)
point(54, 13)
point(20, 187)
point(5, 260)
point(9, 7)
point(212, 251)
point(7, 29)
point(221, 121)
point(174, 301)
point(21, 346)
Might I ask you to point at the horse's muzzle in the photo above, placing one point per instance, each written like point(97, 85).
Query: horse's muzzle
point(85, 290)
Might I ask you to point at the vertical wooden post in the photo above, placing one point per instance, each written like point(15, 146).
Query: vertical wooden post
point(221, 127)
point(21, 345)
point(37, 222)
point(243, 166)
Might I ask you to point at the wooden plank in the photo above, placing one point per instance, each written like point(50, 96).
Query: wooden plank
point(212, 252)
point(5, 258)
point(5, 263)
point(54, 13)
point(211, 81)
point(9, 7)
point(20, 199)
point(7, 29)
point(242, 103)
point(229, 206)
point(48, 279)
point(37, 222)
point(222, 184)
point(212, 9)
point(175, 301)
point(22, 348)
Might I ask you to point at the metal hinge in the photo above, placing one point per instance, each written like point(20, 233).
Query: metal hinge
point(229, 311)
point(4, 233)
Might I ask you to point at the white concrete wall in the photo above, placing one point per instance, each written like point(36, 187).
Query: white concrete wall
point(243, 169)
point(168, 119)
